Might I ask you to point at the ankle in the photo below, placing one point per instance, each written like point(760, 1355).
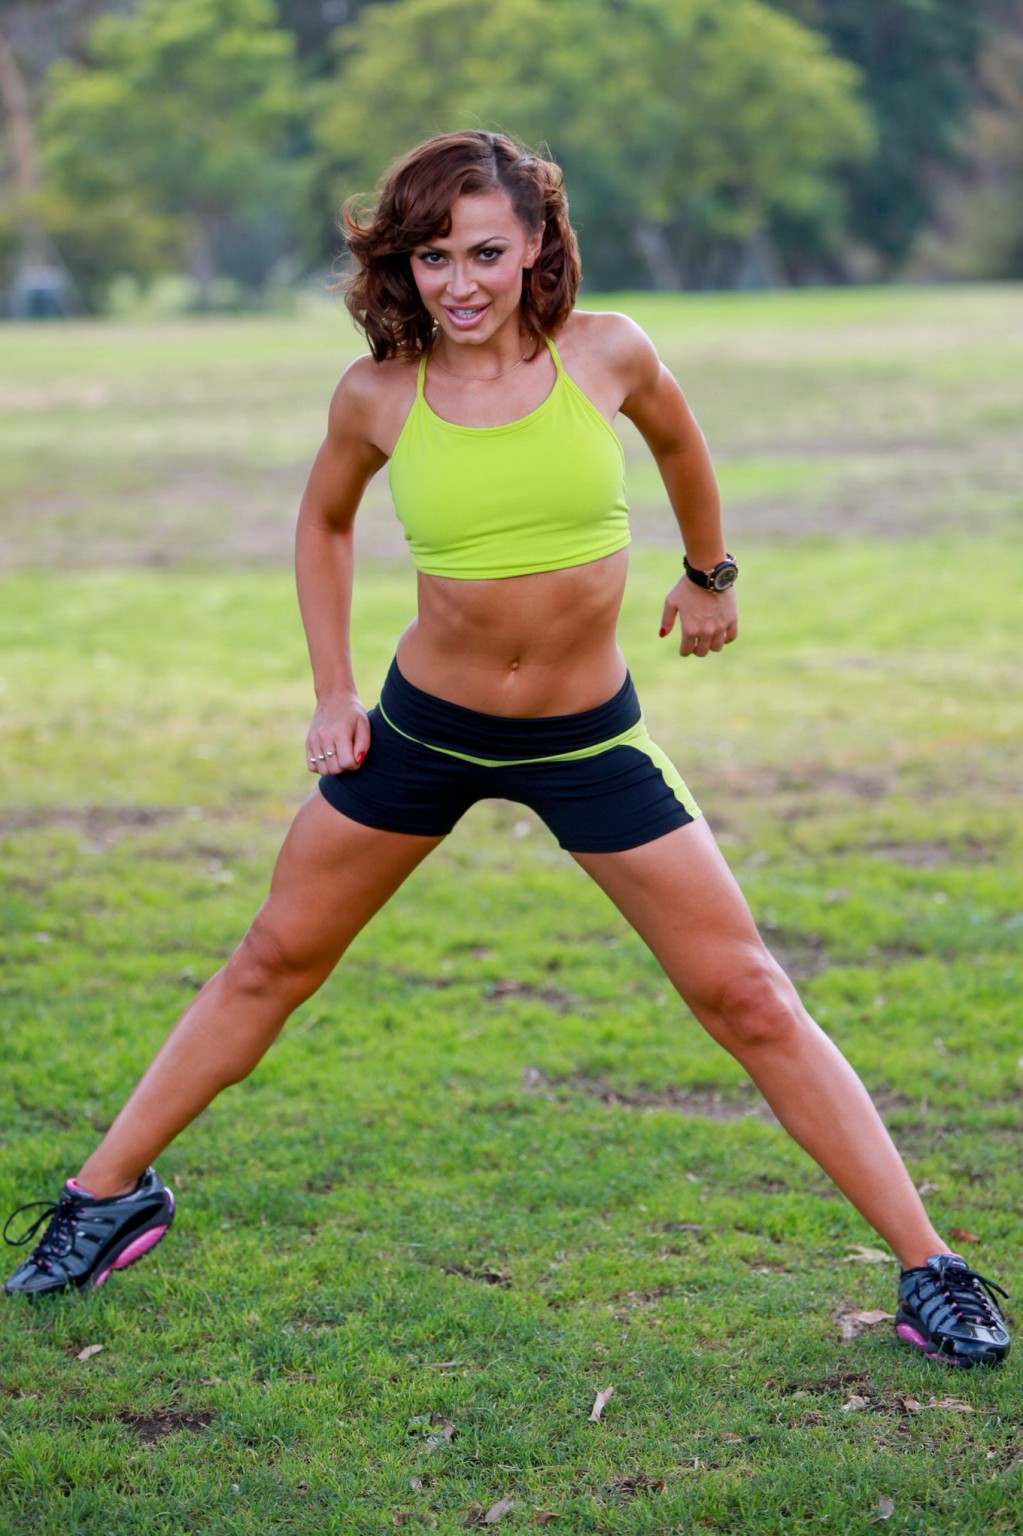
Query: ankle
point(101, 1189)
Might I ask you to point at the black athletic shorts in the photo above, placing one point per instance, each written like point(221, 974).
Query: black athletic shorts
point(595, 778)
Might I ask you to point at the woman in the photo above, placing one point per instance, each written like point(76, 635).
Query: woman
point(493, 399)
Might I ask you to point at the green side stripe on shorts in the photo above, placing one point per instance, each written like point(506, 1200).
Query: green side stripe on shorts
point(636, 736)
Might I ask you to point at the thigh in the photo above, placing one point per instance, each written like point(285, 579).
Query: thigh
point(679, 895)
point(332, 874)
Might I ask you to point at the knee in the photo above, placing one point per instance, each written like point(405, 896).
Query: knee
point(756, 1007)
point(264, 965)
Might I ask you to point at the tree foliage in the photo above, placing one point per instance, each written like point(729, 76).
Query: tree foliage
point(181, 123)
point(682, 124)
point(918, 60)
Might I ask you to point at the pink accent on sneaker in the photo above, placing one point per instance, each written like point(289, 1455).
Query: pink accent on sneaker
point(80, 1189)
point(909, 1335)
point(136, 1250)
point(140, 1246)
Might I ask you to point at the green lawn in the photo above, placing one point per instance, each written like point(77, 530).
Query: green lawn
point(493, 1168)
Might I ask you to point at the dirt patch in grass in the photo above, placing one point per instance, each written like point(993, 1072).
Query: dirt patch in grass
point(483, 1276)
point(151, 1427)
point(704, 1102)
point(104, 825)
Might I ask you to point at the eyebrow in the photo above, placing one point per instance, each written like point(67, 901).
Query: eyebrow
point(481, 245)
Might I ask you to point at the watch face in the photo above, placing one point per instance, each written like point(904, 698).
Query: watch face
point(724, 577)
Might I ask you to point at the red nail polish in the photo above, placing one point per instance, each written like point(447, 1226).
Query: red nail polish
point(359, 756)
point(663, 633)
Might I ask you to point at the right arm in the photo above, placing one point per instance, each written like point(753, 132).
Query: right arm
point(324, 563)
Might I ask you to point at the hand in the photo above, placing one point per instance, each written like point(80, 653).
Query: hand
point(338, 737)
point(709, 620)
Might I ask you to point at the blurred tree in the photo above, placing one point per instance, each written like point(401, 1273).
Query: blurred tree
point(681, 124)
point(979, 224)
point(314, 22)
point(180, 127)
point(918, 60)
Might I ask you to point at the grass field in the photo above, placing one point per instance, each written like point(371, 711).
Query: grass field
point(493, 1168)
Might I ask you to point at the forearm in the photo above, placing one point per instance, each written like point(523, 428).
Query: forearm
point(692, 489)
point(324, 568)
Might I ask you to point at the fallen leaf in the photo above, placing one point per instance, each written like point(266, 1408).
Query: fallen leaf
point(498, 1511)
point(861, 1255)
point(599, 1404)
point(443, 1431)
point(851, 1324)
point(88, 1352)
point(911, 1405)
point(545, 1516)
point(416, 1484)
point(953, 1404)
point(960, 1235)
point(885, 1507)
point(855, 1403)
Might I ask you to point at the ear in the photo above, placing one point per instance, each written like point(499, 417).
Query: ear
point(533, 248)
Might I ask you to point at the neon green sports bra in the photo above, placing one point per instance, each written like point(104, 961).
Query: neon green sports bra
point(539, 494)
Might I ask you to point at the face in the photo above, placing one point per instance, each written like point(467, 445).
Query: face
point(470, 280)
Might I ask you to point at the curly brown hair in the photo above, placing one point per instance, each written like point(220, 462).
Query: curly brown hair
point(414, 199)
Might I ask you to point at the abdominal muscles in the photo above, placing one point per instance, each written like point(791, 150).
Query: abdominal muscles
point(533, 645)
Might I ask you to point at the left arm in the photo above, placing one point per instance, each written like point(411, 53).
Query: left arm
point(656, 405)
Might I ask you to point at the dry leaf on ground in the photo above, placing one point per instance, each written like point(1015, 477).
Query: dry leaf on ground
point(599, 1404)
point(851, 1324)
point(861, 1255)
point(498, 1511)
point(885, 1508)
point(960, 1235)
point(88, 1352)
point(855, 1403)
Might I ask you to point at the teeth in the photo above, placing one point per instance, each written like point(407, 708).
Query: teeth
point(465, 314)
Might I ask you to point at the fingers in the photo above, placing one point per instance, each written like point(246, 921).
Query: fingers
point(337, 750)
point(321, 757)
point(700, 638)
point(668, 617)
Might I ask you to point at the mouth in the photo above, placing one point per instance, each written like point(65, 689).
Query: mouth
point(465, 315)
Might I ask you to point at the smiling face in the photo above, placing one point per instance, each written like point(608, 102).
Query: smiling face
point(470, 280)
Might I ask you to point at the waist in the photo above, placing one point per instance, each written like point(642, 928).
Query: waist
point(451, 727)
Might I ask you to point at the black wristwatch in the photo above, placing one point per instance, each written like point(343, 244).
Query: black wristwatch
point(718, 579)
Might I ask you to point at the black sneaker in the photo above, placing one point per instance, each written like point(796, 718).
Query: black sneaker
point(87, 1237)
point(949, 1311)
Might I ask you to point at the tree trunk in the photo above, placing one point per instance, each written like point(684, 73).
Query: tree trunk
point(654, 251)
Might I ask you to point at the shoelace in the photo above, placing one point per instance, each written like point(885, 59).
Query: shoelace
point(962, 1290)
point(58, 1240)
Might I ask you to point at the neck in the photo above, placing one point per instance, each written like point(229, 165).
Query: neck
point(478, 364)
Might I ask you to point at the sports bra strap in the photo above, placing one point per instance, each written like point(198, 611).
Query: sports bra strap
point(421, 374)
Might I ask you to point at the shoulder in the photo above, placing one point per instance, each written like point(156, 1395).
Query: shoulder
point(371, 401)
point(610, 341)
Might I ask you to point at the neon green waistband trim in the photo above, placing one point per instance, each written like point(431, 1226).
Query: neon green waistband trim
point(635, 736)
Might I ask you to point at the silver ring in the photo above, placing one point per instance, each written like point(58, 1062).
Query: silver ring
point(330, 754)
point(312, 759)
point(319, 757)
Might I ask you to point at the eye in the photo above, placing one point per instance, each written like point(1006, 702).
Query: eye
point(491, 253)
point(430, 258)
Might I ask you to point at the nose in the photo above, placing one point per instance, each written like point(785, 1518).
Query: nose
point(461, 284)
